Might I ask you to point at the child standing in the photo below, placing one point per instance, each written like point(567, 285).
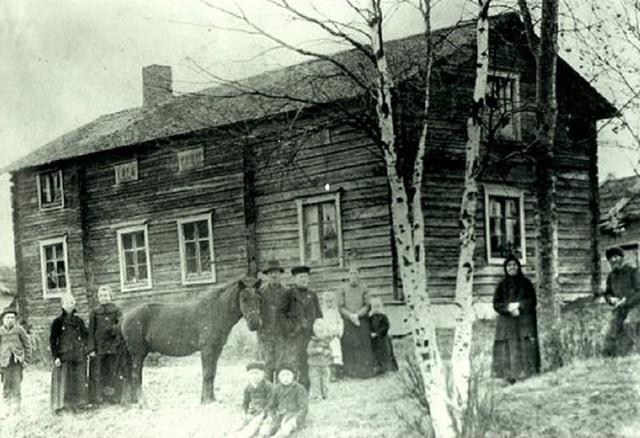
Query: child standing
point(257, 395)
point(320, 359)
point(104, 341)
point(15, 353)
point(335, 327)
point(287, 409)
point(67, 342)
point(382, 347)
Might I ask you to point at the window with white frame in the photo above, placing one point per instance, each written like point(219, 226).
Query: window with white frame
point(54, 267)
point(191, 159)
point(503, 104)
point(135, 265)
point(196, 249)
point(126, 172)
point(50, 189)
point(320, 229)
point(504, 223)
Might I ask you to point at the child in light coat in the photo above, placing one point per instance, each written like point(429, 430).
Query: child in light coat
point(334, 326)
point(320, 360)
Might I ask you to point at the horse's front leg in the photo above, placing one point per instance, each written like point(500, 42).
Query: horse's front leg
point(209, 356)
point(136, 377)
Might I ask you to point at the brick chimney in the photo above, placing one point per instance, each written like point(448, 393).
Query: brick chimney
point(156, 84)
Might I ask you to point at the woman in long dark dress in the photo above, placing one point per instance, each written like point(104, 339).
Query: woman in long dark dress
point(516, 354)
point(357, 353)
point(68, 345)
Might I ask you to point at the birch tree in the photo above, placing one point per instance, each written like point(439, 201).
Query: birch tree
point(545, 50)
point(446, 405)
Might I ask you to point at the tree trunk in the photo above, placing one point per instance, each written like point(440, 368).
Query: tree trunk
point(547, 215)
point(461, 354)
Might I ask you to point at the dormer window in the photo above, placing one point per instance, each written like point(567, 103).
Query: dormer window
point(50, 189)
point(503, 105)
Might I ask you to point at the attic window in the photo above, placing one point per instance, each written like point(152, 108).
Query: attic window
point(50, 189)
point(191, 159)
point(126, 172)
point(503, 102)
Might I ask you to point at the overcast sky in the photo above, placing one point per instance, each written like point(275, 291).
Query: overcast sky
point(65, 62)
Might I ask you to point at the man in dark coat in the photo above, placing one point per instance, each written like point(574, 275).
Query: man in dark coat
point(104, 341)
point(622, 292)
point(304, 309)
point(274, 300)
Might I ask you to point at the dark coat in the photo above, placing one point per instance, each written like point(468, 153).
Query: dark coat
point(304, 309)
point(624, 283)
point(381, 343)
point(290, 400)
point(515, 289)
point(68, 338)
point(274, 302)
point(256, 399)
point(103, 329)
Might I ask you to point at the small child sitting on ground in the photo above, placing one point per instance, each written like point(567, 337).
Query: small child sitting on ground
point(15, 352)
point(335, 326)
point(320, 359)
point(287, 409)
point(257, 395)
point(380, 341)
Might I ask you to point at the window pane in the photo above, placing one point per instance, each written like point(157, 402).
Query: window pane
point(204, 253)
point(48, 253)
point(52, 281)
point(189, 231)
point(205, 263)
point(62, 280)
point(60, 267)
point(142, 257)
point(310, 214)
point(50, 268)
point(128, 259)
point(142, 271)
point(127, 241)
point(192, 266)
point(313, 251)
point(190, 250)
point(330, 249)
point(139, 239)
point(131, 274)
point(203, 229)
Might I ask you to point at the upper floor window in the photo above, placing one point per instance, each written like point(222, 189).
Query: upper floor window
point(54, 267)
point(135, 265)
point(504, 223)
point(191, 159)
point(503, 99)
point(320, 229)
point(50, 189)
point(126, 172)
point(196, 249)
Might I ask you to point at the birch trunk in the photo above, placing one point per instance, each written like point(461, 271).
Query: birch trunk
point(461, 354)
point(408, 218)
point(547, 216)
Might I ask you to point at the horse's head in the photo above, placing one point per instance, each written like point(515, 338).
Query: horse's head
point(250, 302)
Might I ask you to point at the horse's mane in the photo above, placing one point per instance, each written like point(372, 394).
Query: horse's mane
point(212, 296)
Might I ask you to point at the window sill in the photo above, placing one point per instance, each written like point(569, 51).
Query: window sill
point(51, 207)
point(53, 294)
point(133, 288)
point(330, 263)
point(196, 281)
point(499, 261)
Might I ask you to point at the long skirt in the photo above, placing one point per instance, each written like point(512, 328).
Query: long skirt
point(516, 359)
point(357, 353)
point(383, 352)
point(69, 386)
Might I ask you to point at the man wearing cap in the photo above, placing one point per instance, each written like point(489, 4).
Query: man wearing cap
point(304, 309)
point(274, 300)
point(15, 352)
point(622, 292)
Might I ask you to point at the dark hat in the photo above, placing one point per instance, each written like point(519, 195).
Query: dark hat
point(287, 367)
point(7, 311)
point(613, 251)
point(300, 270)
point(255, 366)
point(272, 265)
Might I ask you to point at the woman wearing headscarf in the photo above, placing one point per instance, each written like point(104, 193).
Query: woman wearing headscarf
point(516, 354)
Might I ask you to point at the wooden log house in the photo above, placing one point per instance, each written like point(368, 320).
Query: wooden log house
point(185, 192)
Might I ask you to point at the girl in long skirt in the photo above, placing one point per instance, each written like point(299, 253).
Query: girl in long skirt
point(68, 345)
point(515, 351)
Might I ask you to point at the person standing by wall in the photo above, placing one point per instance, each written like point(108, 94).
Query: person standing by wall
point(623, 293)
point(103, 342)
point(516, 354)
point(303, 311)
point(357, 353)
point(15, 353)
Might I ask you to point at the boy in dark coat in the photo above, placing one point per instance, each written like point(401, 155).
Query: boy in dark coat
point(303, 310)
point(68, 348)
point(104, 341)
point(380, 342)
point(274, 300)
point(288, 407)
point(15, 353)
point(257, 395)
point(622, 292)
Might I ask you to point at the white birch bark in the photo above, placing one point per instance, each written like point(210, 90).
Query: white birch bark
point(409, 234)
point(461, 353)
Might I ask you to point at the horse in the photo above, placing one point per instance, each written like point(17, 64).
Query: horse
point(180, 329)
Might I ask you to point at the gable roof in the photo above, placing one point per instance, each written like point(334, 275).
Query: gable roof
point(619, 202)
point(310, 83)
